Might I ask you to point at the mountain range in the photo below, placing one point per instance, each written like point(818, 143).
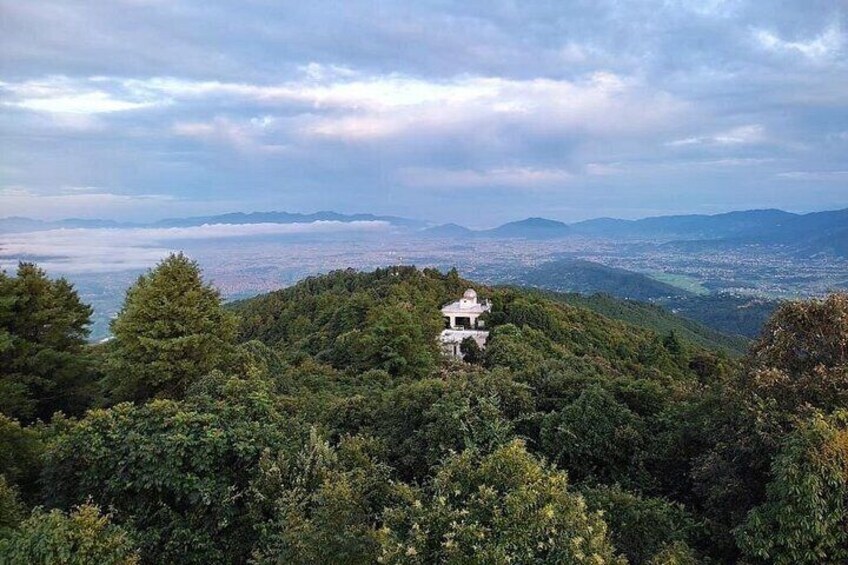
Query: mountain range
point(805, 234)
point(19, 224)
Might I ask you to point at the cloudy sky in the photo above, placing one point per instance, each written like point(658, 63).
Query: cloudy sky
point(474, 112)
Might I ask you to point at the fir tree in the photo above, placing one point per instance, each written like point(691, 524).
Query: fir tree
point(43, 330)
point(171, 331)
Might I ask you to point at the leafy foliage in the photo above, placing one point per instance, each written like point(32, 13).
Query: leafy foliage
point(82, 537)
point(321, 505)
point(471, 351)
point(11, 509)
point(496, 508)
point(665, 317)
point(645, 530)
point(802, 357)
point(805, 516)
point(595, 437)
point(180, 470)
point(20, 456)
point(387, 319)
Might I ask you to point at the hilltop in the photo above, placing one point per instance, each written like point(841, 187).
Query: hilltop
point(333, 315)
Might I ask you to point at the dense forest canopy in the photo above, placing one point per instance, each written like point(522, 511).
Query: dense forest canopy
point(321, 424)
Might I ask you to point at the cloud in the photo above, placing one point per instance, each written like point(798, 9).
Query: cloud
point(741, 135)
point(247, 136)
point(506, 177)
point(599, 104)
point(120, 249)
point(75, 202)
point(351, 106)
point(827, 44)
point(61, 95)
point(820, 176)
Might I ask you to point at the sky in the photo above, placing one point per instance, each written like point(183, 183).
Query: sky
point(469, 112)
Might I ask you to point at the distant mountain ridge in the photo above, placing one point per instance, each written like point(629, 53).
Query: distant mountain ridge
point(804, 234)
point(694, 226)
point(530, 228)
point(19, 224)
point(448, 231)
point(807, 234)
point(285, 218)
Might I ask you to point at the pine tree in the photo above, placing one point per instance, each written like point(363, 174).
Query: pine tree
point(43, 330)
point(171, 330)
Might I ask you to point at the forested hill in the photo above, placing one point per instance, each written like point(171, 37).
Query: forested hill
point(657, 319)
point(587, 277)
point(319, 424)
point(391, 317)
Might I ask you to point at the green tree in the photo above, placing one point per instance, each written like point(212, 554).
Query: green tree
point(171, 331)
point(471, 352)
point(396, 341)
point(83, 537)
point(321, 505)
point(179, 471)
point(21, 449)
point(805, 516)
point(672, 343)
point(795, 370)
point(43, 331)
point(675, 553)
point(423, 421)
point(641, 528)
point(595, 437)
point(515, 348)
point(802, 357)
point(11, 509)
point(498, 508)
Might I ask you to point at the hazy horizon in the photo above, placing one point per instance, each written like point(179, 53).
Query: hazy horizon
point(428, 221)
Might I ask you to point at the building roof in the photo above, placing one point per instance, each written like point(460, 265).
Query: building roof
point(459, 307)
point(468, 304)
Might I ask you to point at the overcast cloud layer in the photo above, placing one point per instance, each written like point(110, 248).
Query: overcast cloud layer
point(474, 112)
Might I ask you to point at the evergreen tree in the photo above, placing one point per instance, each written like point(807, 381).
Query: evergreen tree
point(171, 331)
point(43, 330)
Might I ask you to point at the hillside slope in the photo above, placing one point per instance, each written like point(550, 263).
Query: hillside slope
point(587, 277)
point(726, 313)
point(657, 319)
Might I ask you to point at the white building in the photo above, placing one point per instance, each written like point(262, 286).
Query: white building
point(464, 314)
point(462, 320)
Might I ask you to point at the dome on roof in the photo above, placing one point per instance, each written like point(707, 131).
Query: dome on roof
point(470, 294)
